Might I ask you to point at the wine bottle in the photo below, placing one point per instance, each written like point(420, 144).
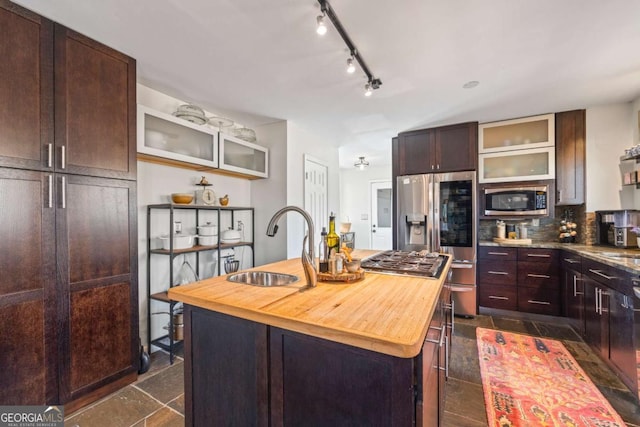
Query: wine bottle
point(333, 240)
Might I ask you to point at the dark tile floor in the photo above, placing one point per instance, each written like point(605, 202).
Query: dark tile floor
point(157, 398)
point(464, 406)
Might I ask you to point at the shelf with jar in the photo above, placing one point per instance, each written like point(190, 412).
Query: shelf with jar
point(187, 243)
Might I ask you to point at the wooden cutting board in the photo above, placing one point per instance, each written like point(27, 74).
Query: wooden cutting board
point(512, 241)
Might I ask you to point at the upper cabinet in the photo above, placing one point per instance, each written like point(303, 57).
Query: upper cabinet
point(244, 157)
point(570, 157)
point(516, 134)
point(443, 149)
point(517, 150)
point(49, 68)
point(165, 139)
point(166, 136)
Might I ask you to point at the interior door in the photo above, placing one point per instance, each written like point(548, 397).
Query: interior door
point(381, 215)
point(316, 185)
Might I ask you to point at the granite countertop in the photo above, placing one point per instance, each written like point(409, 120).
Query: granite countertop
point(389, 314)
point(626, 259)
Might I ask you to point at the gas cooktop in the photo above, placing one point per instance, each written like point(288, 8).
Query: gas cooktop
point(411, 263)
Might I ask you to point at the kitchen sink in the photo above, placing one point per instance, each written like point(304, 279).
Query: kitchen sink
point(263, 278)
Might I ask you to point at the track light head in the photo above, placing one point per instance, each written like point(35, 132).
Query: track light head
point(321, 29)
point(368, 90)
point(351, 68)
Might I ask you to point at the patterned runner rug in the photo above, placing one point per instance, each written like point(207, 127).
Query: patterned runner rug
point(529, 381)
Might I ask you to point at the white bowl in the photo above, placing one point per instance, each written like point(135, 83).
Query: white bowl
point(180, 241)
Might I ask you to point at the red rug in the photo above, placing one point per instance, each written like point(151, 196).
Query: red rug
point(529, 381)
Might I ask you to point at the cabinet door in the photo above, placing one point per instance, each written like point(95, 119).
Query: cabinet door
point(416, 152)
point(95, 104)
point(27, 290)
point(596, 315)
point(456, 147)
point(570, 157)
point(323, 383)
point(622, 351)
point(26, 88)
point(97, 269)
point(573, 298)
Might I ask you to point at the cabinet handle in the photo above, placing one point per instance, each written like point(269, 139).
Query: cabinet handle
point(539, 255)
point(446, 357)
point(596, 289)
point(572, 261)
point(496, 297)
point(601, 274)
point(49, 155)
point(575, 288)
point(63, 161)
point(50, 191)
point(538, 276)
point(532, 301)
point(64, 192)
point(438, 166)
point(432, 168)
point(498, 253)
point(500, 273)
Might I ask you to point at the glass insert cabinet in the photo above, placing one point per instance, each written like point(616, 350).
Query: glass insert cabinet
point(242, 156)
point(517, 150)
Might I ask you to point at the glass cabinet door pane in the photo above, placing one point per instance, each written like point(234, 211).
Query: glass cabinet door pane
point(517, 165)
point(242, 156)
point(173, 138)
point(163, 135)
point(517, 134)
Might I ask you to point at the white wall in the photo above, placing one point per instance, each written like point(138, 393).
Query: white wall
point(299, 143)
point(355, 200)
point(608, 134)
point(269, 195)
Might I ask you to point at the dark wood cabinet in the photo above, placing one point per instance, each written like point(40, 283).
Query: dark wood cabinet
point(28, 297)
point(95, 108)
point(69, 248)
point(522, 279)
point(596, 316)
point(443, 149)
point(622, 353)
point(570, 157)
point(572, 288)
point(26, 88)
point(274, 376)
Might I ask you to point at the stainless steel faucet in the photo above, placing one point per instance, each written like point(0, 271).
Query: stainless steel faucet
point(308, 258)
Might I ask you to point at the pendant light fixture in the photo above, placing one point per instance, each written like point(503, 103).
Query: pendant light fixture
point(361, 163)
point(327, 11)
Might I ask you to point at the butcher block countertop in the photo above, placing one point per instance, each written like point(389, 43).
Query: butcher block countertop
point(388, 314)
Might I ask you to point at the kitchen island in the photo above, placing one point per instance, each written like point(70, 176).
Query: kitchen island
point(371, 352)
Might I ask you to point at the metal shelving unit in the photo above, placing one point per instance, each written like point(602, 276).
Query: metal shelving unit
point(167, 342)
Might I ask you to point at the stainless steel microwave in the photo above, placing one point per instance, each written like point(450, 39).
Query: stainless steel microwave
point(522, 200)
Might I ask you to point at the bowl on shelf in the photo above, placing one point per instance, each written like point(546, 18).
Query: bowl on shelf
point(182, 198)
point(208, 240)
point(224, 201)
point(180, 241)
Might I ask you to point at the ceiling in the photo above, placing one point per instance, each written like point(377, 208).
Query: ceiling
point(258, 61)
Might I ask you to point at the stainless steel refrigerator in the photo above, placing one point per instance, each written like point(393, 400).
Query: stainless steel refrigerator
point(437, 212)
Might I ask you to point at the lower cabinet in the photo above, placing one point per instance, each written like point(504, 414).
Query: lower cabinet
point(239, 372)
point(572, 289)
point(519, 279)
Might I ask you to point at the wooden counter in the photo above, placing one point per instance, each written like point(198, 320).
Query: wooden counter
point(387, 314)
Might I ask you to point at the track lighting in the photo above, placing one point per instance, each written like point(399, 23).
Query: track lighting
point(367, 89)
point(361, 163)
point(351, 68)
point(327, 11)
point(321, 29)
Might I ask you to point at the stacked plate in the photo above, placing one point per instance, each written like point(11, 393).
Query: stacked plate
point(191, 113)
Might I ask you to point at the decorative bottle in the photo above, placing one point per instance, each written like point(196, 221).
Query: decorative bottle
point(323, 252)
point(333, 240)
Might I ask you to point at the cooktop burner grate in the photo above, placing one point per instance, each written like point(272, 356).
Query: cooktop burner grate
point(412, 263)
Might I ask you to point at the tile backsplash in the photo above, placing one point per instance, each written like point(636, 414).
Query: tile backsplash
point(548, 229)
